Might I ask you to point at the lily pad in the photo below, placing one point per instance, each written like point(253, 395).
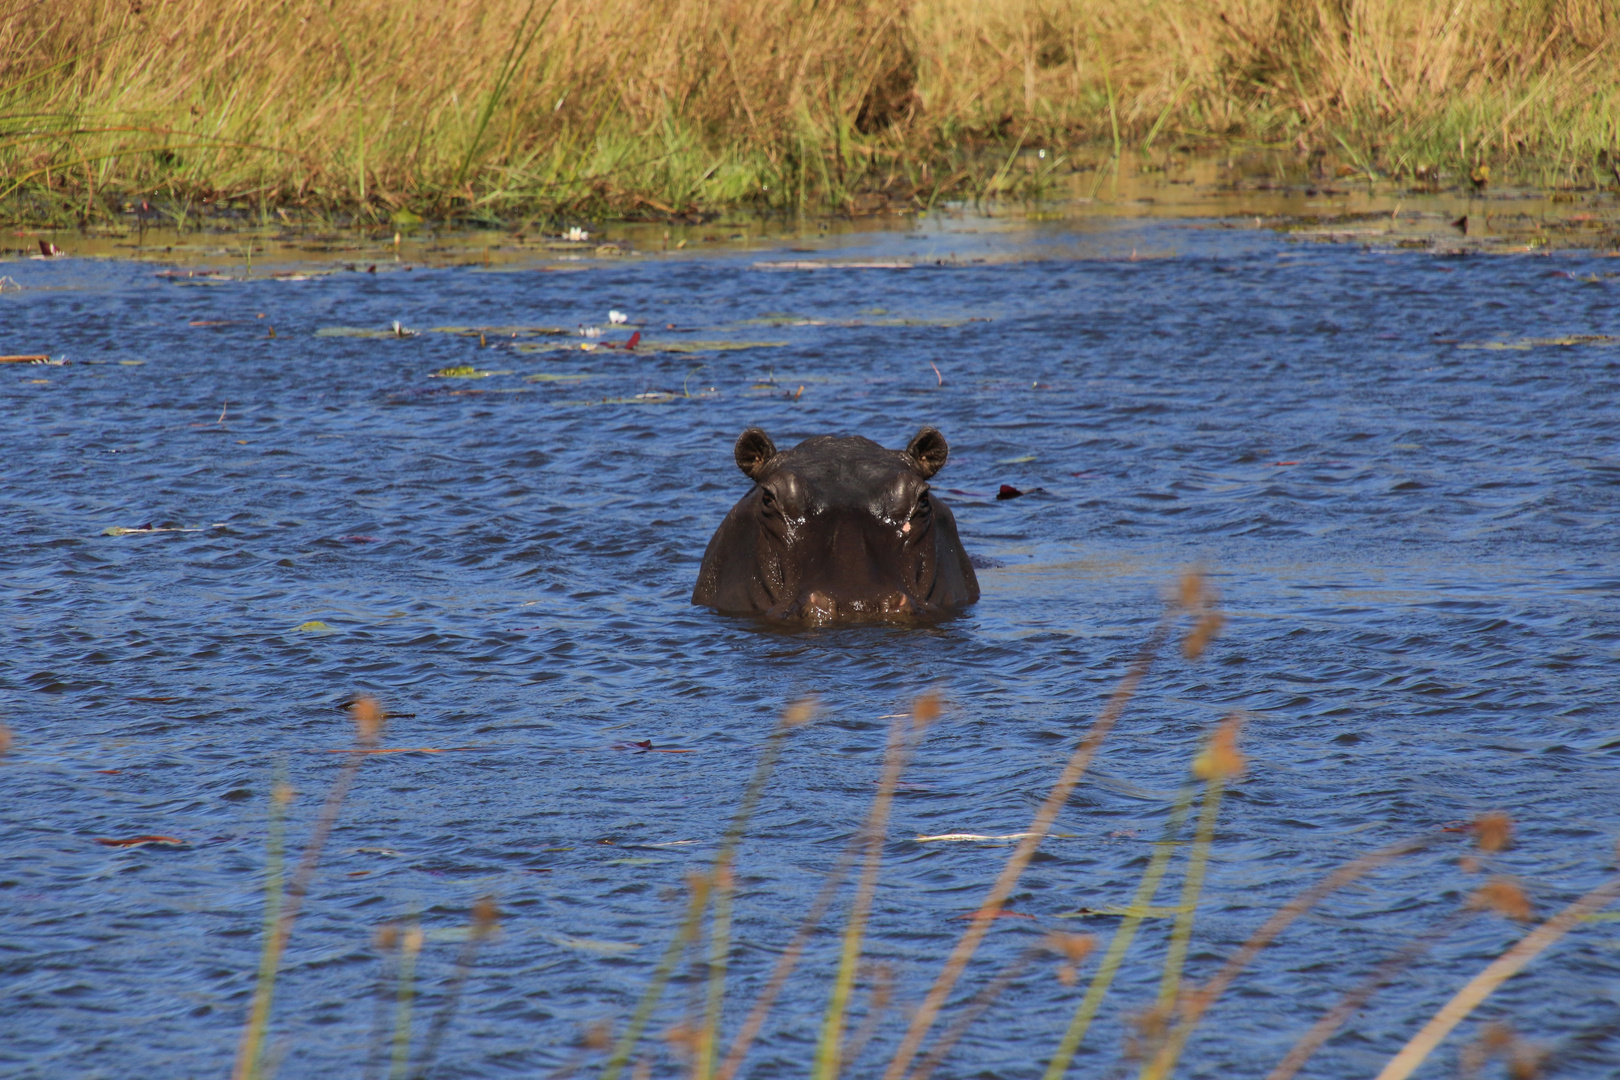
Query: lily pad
point(314, 626)
point(1525, 344)
point(644, 346)
point(604, 948)
point(501, 331)
point(465, 371)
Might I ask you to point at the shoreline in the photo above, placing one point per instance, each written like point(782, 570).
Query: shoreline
point(1230, 191)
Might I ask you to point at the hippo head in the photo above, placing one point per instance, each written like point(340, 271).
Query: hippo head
point(837, 529)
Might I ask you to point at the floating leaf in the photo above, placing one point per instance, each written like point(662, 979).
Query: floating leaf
point(142, 530)
point(313, 626)
point(142, 841)
point(806, 264)
point(651, 346)
point(395, 331)
point(1537, 343)
point(604, 948)
point(465, 371)
point(502, 331)
point(546, 376)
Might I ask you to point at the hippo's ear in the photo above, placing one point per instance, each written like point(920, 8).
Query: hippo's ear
point(929, 450)
point(754, 451)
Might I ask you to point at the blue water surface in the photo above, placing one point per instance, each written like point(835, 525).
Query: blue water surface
point(1399, 470)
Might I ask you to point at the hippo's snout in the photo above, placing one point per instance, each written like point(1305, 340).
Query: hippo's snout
point(818, 608)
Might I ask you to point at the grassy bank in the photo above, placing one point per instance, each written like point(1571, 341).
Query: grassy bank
point(500, 108)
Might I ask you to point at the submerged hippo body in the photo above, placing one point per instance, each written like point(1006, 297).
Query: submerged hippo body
point(837, 529)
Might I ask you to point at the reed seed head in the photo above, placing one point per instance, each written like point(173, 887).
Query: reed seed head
point(1204, 631)
point(698, 885)
point(386, 937)
point(5, 740)
point(682, 1037)
point(925, 710)
point(1493, 832)
point(1503, 896)
point(800, 713)
point(1192, 592)
point(281, 793)
point(413, 940)
point(1147, 1031)
point(1074, 948)
point(486, 917)
point(368, 720)
point(599, 1036)
point(1221, 759)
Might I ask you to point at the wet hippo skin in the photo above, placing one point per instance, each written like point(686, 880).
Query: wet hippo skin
point(838, 529)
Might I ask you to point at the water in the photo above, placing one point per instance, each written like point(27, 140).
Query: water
point(1405, 496)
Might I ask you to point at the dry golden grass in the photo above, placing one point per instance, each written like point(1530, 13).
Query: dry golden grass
point(502, 106)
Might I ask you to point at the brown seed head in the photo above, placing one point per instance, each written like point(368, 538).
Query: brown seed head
point(5, 740)
point(800, 713)
point(1503, 896)
point(1525, 1060)
point(1148, 1029)
point(1074, 948)
point(386, 937)
point(1192, 592)
point(486, 917)
point(599, 1036)
point(697, 884)
point(1493, 832)
point(1498, 1037)
point(925, 710)
point(1221, 759)
point(281, 793)
point(413, 940)
point(682, 1037)
point(1203, 632)
point(368, 720)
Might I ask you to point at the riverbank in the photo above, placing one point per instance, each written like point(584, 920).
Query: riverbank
point(1241, 194)
point(499, 110)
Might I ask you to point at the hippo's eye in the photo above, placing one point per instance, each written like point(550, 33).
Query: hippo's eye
point(767, 498)
point(922, 506)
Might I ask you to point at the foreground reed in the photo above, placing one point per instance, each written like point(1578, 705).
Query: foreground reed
point(506, 108)
point(1162, 1031)
point(282, 912)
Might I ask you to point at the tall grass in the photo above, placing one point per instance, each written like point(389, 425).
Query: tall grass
point(494, 108)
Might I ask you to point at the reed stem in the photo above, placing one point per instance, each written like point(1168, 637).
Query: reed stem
point(1500, 970)
point(986, 914)
point(827, 1060)
point(1120, 943)
point(1195, 1005)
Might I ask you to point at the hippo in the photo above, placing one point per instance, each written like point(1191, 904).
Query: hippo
point(838, 529)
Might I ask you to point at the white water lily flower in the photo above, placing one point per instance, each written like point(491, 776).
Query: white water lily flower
point(577, 235)
point(591, 331)
point(618, 318)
